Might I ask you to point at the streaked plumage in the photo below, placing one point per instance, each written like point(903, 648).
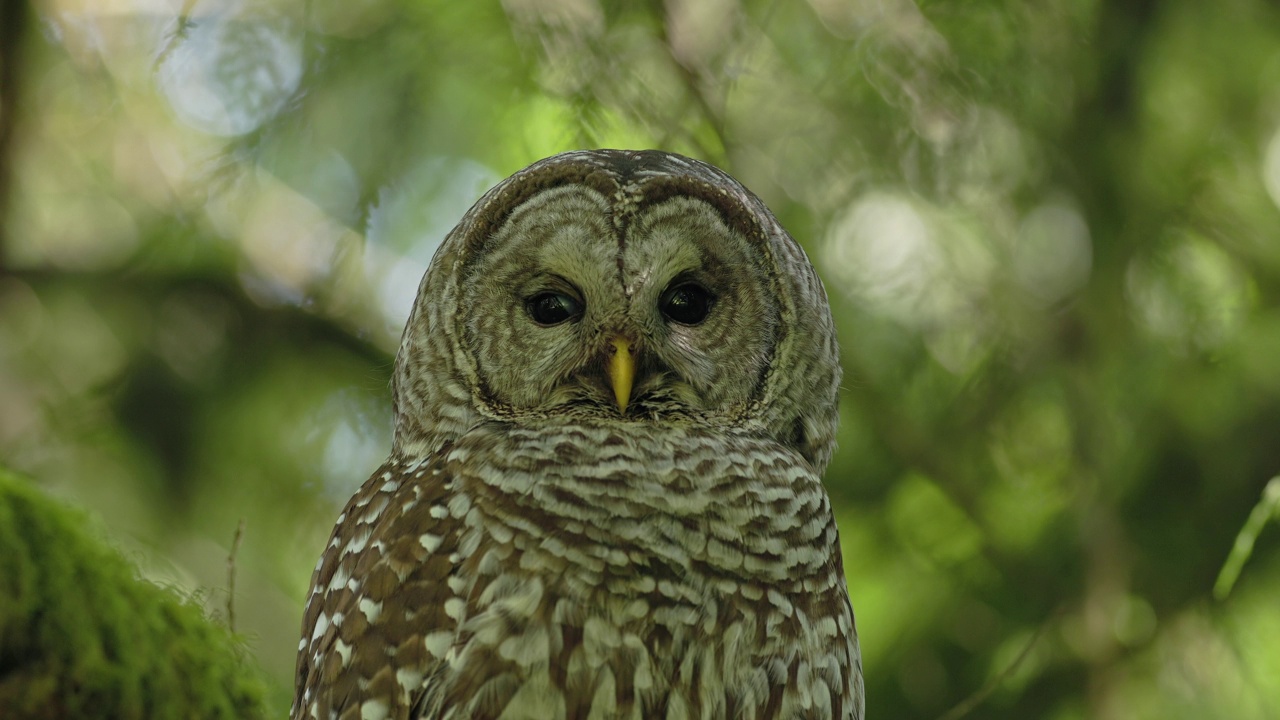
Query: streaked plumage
point(553, 538)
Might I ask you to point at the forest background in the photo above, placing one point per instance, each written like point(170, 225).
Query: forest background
point(1050, 232)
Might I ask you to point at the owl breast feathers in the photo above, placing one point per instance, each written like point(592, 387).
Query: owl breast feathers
point(614, 398)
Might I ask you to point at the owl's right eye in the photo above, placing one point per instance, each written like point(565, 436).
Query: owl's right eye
point(552, 308)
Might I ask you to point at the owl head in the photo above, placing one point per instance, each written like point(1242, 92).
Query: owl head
point(626, 286)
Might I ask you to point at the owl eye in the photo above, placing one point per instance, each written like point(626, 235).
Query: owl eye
point(552, 308)
point(687, 304)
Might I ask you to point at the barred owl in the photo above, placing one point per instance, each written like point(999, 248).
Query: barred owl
point(613, 401)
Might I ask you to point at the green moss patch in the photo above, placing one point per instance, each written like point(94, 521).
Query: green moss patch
point(83, 636)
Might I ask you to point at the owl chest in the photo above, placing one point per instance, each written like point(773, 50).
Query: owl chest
point(641, 614)
point(545, 646)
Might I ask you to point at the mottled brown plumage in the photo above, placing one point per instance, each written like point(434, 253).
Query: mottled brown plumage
point(614, 400)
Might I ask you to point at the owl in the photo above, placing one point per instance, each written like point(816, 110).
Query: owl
point(614, 398)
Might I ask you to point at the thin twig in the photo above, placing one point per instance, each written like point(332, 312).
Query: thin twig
point(231, 576)
point(179, 34)
point(976, 699)
point(1267, 509)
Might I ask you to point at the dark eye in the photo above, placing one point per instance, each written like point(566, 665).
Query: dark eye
point(552, 308)
point(687, 304)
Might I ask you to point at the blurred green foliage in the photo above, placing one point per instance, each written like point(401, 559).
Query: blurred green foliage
point(1050, 232)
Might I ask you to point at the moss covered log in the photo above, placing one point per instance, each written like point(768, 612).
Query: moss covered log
point(83, 636)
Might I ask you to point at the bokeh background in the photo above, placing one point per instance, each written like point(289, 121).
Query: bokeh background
point(1050, 232)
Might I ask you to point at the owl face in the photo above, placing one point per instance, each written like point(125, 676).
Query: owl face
point(632, 311)
point(633, 286)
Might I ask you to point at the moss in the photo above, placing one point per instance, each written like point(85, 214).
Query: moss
point(82, 636)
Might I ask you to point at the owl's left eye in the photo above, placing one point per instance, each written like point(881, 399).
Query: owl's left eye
point(687, 304)
point(552, 308)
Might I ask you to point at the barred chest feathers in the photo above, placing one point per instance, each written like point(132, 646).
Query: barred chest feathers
point(706, 585)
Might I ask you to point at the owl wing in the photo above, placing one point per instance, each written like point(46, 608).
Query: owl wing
point(377, 624)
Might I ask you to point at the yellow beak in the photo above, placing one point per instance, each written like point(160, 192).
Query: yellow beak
point(622, 371)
